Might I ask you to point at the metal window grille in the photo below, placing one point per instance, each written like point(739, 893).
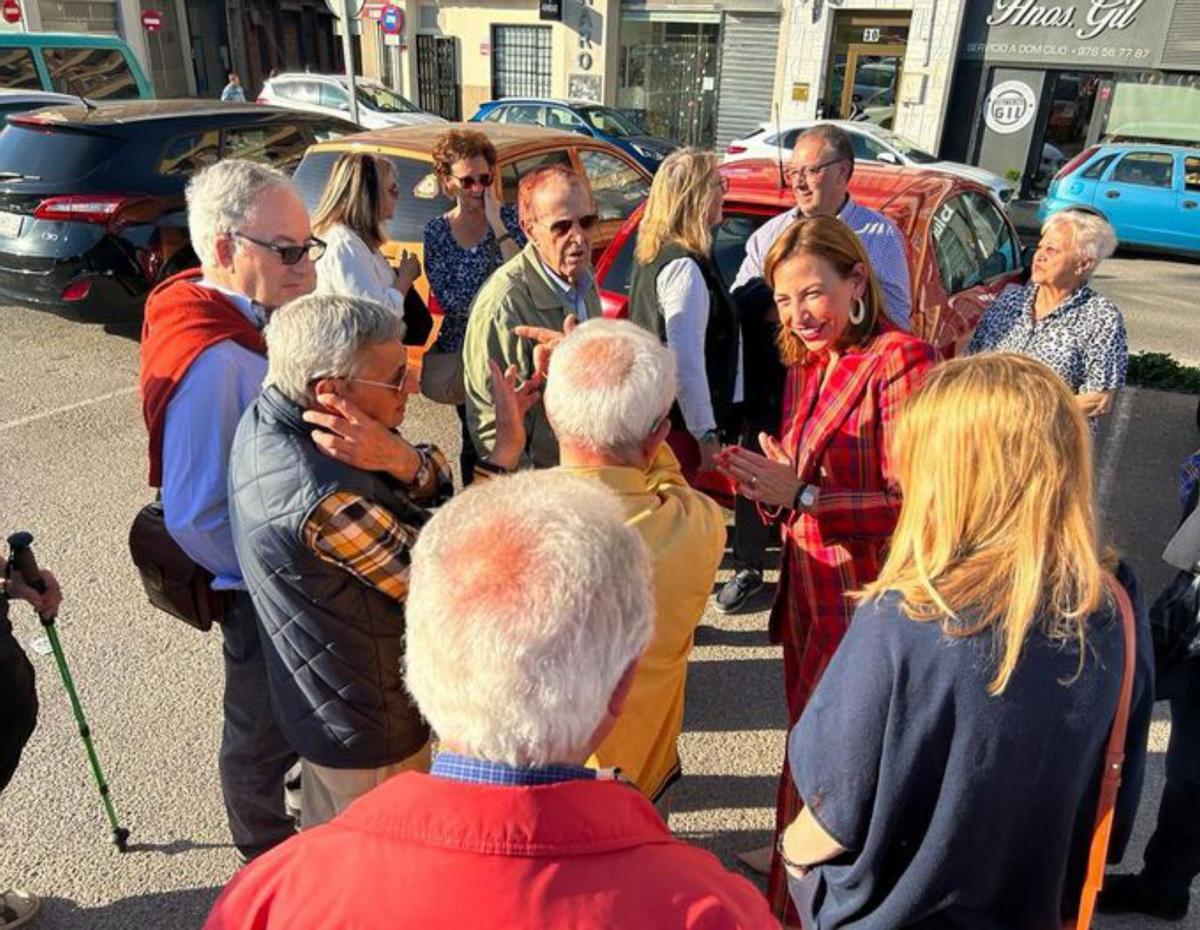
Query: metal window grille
point(520, 61)
point(437, 76)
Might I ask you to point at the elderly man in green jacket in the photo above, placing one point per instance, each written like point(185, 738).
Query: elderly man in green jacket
point(549, 281)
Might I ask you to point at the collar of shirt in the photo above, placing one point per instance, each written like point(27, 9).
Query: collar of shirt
point(574, 292)
point(482, 772)
point(844, 212)
point(256, 313)
point(1077, 297)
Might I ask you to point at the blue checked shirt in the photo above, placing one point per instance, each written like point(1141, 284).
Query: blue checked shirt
point(880, 237)
point(481, 772)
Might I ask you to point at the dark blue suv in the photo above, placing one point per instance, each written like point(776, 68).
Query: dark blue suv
point(589, 119)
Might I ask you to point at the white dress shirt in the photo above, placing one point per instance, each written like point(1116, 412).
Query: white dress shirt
point(351, 269)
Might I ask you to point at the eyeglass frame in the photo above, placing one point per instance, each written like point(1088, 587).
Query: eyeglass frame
point(792, 175)
point(305, 247)
point(586, 223)
point(472, 182)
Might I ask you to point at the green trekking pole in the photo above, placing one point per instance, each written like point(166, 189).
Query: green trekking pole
point(22, 560)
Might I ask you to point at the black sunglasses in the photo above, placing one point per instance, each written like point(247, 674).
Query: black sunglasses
point(469, 181)
point(314, 248)
point(562, 228)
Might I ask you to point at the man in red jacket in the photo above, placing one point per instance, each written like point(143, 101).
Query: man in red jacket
point(530, 602)
point(203, 361)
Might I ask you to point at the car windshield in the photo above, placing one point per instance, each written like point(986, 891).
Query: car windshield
point(610, 122)
point(382, 100)
point(904, 147)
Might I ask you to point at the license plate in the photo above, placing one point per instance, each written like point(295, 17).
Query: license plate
point(10, 224)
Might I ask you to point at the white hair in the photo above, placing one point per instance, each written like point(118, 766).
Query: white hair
point(321, 336)
point(221, 198)
point(529, 598)
point(1091, 236)
point(609, 382)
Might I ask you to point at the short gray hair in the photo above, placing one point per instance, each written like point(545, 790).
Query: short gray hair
point(837, 141)
point(1092, 237)
point(610, 381)
point(222, 197)
point(529, 597)
point(322, 336)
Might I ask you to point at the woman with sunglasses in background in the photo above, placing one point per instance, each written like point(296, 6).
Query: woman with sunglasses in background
point(462, 248)
point(678, 294)
point(358, 200)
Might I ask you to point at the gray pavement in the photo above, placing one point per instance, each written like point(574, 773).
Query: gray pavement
point(72, 470)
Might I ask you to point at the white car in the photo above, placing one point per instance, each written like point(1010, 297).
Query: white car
point(871, 143)
point(328, 94)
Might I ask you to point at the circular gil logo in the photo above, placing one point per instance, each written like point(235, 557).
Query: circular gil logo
point(1010, 107)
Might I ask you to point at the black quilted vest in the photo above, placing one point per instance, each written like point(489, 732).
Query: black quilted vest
point(333, 644)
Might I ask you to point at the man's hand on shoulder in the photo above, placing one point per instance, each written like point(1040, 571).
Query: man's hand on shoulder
point(347, 434)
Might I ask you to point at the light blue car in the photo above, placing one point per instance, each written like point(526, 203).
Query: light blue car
point(1149, 193)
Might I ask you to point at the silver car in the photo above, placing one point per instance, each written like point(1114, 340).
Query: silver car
point(379, 107)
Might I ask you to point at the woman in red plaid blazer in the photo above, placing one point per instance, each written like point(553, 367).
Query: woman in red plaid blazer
point(827, 477)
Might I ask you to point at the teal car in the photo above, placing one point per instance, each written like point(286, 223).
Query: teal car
point(96, 67)
point(1149, 193)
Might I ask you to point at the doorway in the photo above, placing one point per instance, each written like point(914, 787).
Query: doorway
point(866, 62)
point(1068, 117)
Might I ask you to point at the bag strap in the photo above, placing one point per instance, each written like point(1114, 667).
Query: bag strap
point(1114, 757)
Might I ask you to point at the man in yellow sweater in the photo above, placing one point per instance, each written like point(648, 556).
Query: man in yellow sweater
point(608, 395)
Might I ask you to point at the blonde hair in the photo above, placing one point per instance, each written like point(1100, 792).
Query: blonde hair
point(353, 197)
point(997, 529)
point(830, 239)
point(677, 208)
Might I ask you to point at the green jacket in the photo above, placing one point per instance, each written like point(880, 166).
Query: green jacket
point(518, 293)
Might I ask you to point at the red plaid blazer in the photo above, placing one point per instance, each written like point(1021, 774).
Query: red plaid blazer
point(839, 440)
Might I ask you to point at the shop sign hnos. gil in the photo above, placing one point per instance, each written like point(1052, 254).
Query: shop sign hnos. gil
point(1099, 16)
point(1110, 33)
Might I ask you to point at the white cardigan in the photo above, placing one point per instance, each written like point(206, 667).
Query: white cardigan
point(351, 269)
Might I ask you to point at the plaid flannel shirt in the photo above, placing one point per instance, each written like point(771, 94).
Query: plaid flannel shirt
point(366, 538)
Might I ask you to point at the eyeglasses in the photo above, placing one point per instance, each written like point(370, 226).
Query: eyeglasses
point(312, 247)
point(808, 173)
point(469, 181)
point(399, 385)
point(561, 228)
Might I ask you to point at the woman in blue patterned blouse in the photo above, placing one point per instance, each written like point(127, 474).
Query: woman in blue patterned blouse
point(462, 248)
point(1058, 319)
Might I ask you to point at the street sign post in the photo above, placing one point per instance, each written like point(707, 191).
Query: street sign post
point(11, 11)
point(152, 20)
point(350, 12)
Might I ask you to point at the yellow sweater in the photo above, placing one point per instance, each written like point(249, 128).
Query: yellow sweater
point(685, 532)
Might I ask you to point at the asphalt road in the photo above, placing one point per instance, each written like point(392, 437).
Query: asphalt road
point(72, 470)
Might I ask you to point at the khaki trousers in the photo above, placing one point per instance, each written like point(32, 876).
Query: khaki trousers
point(326, 792)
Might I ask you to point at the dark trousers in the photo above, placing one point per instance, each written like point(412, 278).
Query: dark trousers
point(1173, 853)
point(468, 458)
point(18, 702)
point(255, 758)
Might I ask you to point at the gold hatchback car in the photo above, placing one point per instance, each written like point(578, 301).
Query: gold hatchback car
point(617, 182)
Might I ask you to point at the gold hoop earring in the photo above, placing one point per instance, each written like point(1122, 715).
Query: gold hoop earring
point(860, 306)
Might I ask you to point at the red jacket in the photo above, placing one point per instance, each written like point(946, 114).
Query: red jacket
point(427, 853)
point(182, 319)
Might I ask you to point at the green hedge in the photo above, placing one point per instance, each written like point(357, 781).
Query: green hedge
point(1158, 370)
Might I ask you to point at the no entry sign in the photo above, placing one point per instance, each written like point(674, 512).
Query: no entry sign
point(11, 11)
point(152, 20)
point(392, 19)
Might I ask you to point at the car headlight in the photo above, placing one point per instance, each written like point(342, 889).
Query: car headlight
point(645, 152)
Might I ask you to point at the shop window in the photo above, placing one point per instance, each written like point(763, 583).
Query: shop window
point(993, 235)
point(955, 247)
point(617, 188)
point(189, 154)
point(1098, 167)
point(511, 174)
point(98, 73)
point(17, 70)
point(1191, 174)
point(520, 61)
point(1149, 169)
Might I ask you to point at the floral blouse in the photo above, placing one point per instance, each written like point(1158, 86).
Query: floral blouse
point(456, 274)
point(1083, 338)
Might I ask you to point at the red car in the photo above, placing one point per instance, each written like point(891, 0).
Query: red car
point(962, 248)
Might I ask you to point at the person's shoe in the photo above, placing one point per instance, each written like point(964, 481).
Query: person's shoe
point(17, 908)
point(738, 590)
point(1124, 894)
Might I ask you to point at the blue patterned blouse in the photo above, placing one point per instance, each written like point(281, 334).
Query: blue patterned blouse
point(456, 274)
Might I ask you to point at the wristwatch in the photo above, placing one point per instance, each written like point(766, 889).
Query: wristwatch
point(806, 497)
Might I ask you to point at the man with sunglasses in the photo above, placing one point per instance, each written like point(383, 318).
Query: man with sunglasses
point(323, 522)
point(549, 281)
point(819, 176)
point(203, 360)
